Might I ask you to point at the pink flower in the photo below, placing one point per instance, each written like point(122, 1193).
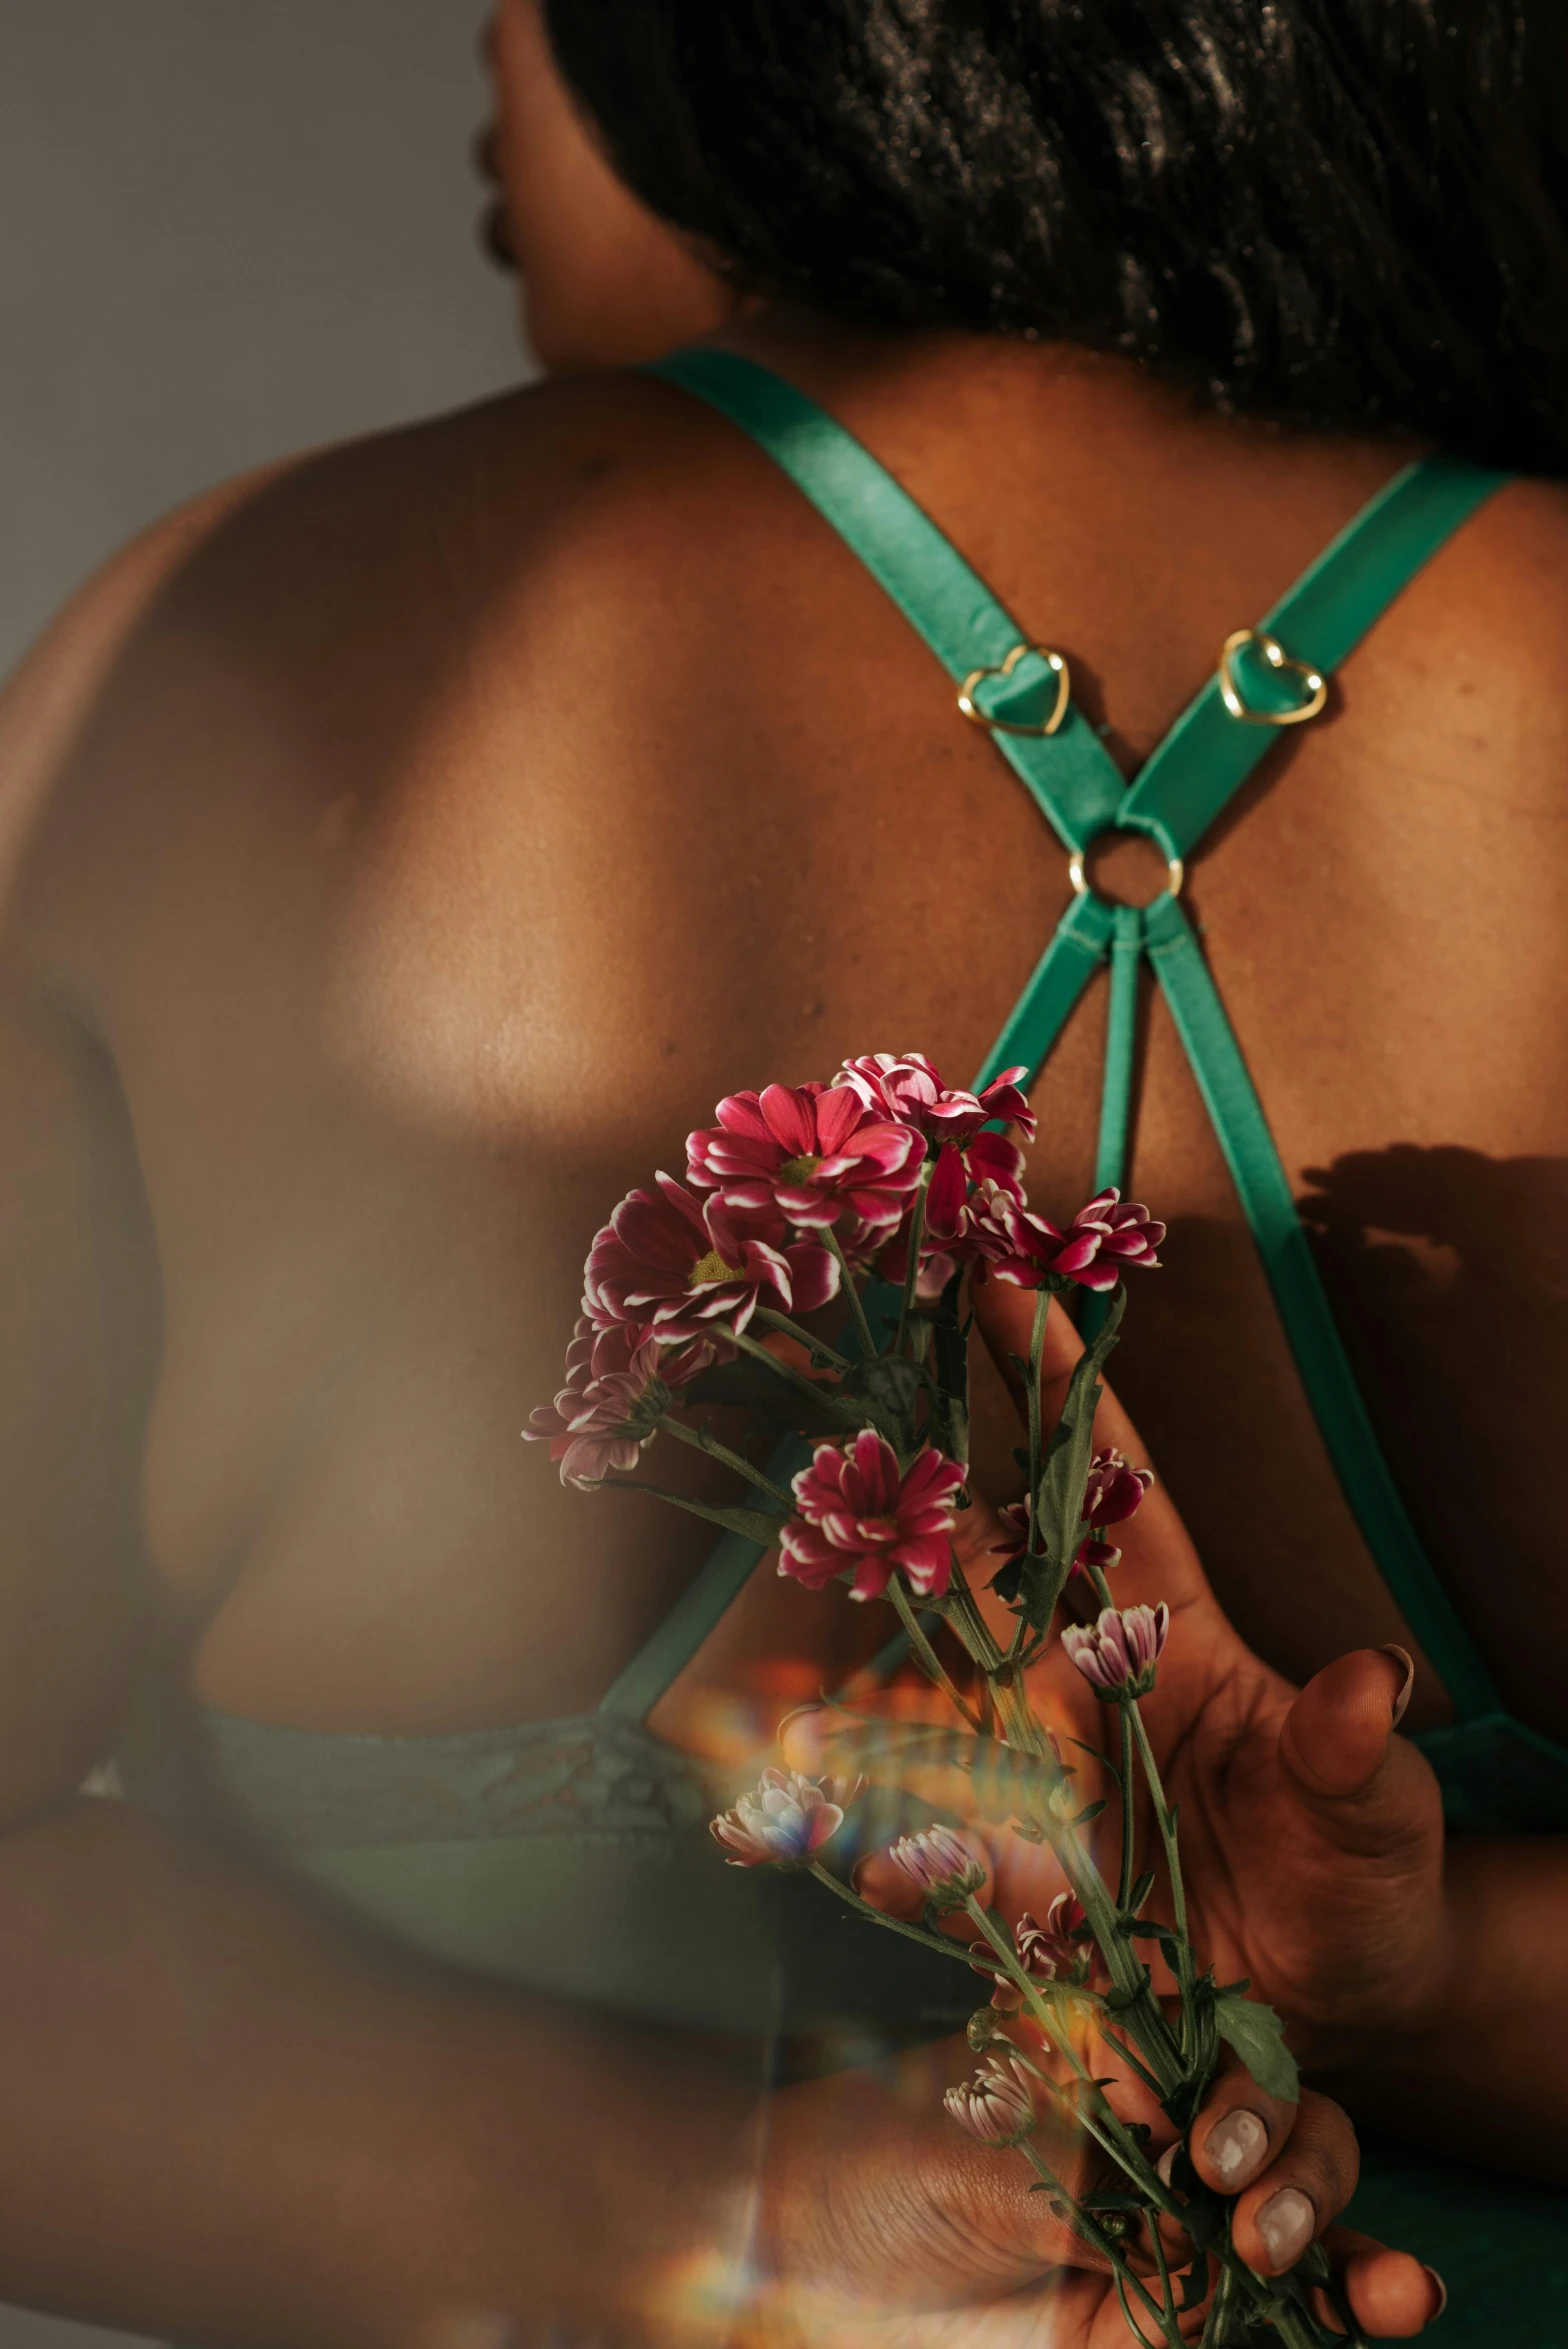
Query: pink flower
point(811, 1153)
point(1117, 1655)
point(996, 2106)
point(909, 1087)
point(938, 1860)
point(1111, 1495)
point(1043, 1950)
point(1014, 1521)
point(786, 1820)
point(692, 1268)
point(942, 1226)
point(1101, 1241)
point(617, 1390)
point(857, 1512)
point(1051, 1948)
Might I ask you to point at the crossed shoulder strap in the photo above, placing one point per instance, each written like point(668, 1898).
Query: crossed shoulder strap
point(1272, 675)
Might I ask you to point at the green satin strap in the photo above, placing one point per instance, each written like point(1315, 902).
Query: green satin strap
point(1074, 779)
point(1186, 783)
point(1208, 755)
point(1265, 1194)
point(699, 1610)
point(1121, 1045)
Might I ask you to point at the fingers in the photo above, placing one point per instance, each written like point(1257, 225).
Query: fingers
point(1302, 2188)
point(1238, 2130)
point(1368, 1794)
point(1390, 2294)
point(1336, 1734)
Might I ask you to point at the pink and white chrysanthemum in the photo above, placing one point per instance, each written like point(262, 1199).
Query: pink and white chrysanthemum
point(785, 1821)
point(1112, 1494)
point(996, 2106)
point(812, 1153)
point(939, 1860)
point(1051, 1948)
point(618, 1387)
point(1117, 1653)
point(858, 1515)
point(908, 1086)
point(1104, 1239)
point(694, 1268)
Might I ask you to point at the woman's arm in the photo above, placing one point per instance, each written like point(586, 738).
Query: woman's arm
point(226, 2120)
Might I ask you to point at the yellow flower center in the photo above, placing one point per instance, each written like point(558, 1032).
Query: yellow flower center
point(711, 1268)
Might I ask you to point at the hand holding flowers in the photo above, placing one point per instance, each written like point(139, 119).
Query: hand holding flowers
point(800, 1194)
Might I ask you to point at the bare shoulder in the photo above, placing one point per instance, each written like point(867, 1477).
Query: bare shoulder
point(1468, 662)
point(44, 700)
point(504, 471)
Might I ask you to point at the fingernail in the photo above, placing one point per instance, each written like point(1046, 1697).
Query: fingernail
point(1402, 1701)
point(1287, 2222)
point(1441, 2289)
point(1167, 2162)
point(1236, 2146)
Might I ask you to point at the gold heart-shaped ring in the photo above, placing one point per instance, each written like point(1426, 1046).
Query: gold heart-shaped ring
point(978, 717)
point(1279, 660)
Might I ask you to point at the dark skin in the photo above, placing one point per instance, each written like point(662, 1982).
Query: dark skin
point(401, 853)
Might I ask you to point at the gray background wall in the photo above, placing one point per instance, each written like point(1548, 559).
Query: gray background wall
point(228, 228)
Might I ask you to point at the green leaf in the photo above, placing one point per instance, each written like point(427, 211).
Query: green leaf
point(756, 1525)
point(1258, 2036)
point(1194, 2285)
point(1060, 1500)
point(1032, 1584)
point(1119, 2001)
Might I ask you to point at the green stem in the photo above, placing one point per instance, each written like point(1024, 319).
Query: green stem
point(1124, 1889)
point(1141, 2018)
point(917, 1226)
point(1102, 2123)
point(803, 1337)
point(701, 1441)
point(1184, 1966)
point(857, 1309)
point(1042, 1309)
point(964, 1615)
point(931, 1662)
point(819, 1396)
point(937, 1941)
point(1083, 2224)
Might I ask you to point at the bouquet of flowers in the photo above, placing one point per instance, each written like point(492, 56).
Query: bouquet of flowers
point(886, 1189)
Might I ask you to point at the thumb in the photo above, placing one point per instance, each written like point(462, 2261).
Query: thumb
point(1336, 1734)
point(1368, 1792)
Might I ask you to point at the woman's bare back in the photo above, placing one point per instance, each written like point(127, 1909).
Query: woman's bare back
point(418, 841)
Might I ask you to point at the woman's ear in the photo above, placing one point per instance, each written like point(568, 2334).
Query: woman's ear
point(605, 282)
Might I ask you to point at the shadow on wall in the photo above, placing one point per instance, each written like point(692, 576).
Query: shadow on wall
point(1448, 1272)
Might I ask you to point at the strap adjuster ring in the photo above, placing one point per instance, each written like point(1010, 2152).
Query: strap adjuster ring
point(1175, 870)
